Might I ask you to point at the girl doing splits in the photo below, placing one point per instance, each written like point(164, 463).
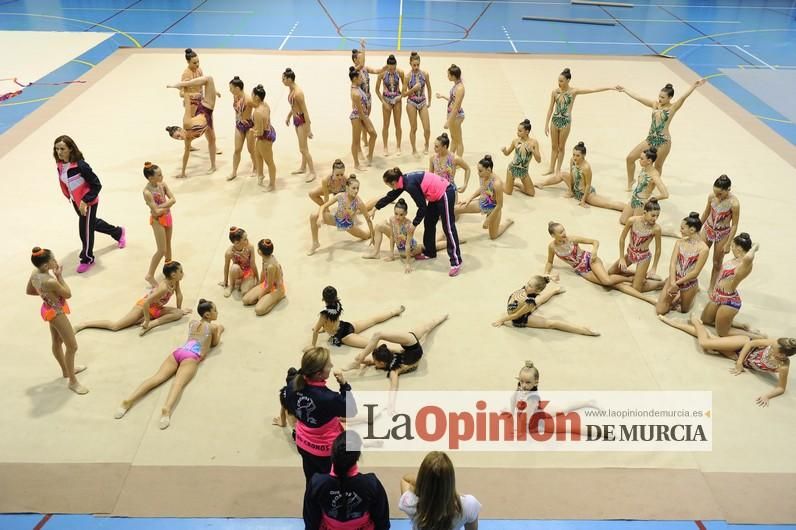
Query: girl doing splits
point(301, 121)
point(586, 264)
point(159, 198)
point(523, 302)
point(182, 364)
point(524, 148)
point(417, 92)
point(490, 200)
point(348, 205)
point(391, 103)
point(762, 355)
point(267, 294)
point(342, 332)
point(240, 264)
point(197, 119)
point(688, 257)
point(150, 311)
point(54, 292)
point(720, 222)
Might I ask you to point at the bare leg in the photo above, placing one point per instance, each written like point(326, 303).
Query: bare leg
point(602, 202)
point(527, 187)
point(424, 119)
point(67, 336)
point(632, 291)
point(304, 148)
point(166, 370)
point(665, 299)
point(553, 150)
point(687, 299)
point(627, 212)
point(267, 152)
point(538, 322)
point(327, 219)
point(630, 162)
point(356, 132)
point(386, 111)
point(359, 233)
point(316, 195)
point(58, 350)
point(363, 325)
point(509, 188)
point(396, 115)
point(457, 142)
point(562, 146)
point(239, 140)
point(371, 138)
point(422, 332)
point(411, 112)
point(268, 302)
point(185, 372)
point(160, 240)
point(663, 154)
point(495, 228)
point(169, 314)
point(132, 318)
point(599, 275)
point(250, 141)
point(554, 179)
point(719, 251)
point(381, 231)
point(210, 134)
point(727, 346)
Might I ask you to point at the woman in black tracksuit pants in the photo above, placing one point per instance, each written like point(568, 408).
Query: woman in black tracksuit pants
point(81, 186)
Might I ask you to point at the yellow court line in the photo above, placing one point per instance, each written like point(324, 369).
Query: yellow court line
point(103, 26)
point(80, 61)
point(24, 102)
point(400, 23)
point(689, 41)
point(773, 119)
point(711, 76)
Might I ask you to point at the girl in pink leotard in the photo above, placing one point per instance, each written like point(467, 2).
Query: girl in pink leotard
point(159, 198)
point(720, 222)
point(182, 364)
point(688, 258)
point(586, 264)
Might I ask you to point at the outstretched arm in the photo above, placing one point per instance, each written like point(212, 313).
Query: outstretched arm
point(679, 103)
point(644, 101)
point(581, 91)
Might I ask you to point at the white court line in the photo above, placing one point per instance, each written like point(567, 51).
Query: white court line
point(753, 56)
point(288, 36)
point(530, 2)
point(155, 10)
point(509, 37)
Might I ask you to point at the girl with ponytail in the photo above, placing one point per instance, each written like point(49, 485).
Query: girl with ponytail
point(345, 498)
point(159, 198)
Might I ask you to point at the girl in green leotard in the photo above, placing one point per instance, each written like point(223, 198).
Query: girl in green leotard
point(663, 111)
point(562, 100)
point(524, 148)
point(649, 179)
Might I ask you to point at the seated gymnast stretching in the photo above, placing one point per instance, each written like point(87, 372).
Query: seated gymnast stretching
point(759, 355)
point(240, 264)
point(266, 295)
point(586, 264)
point(197, 119)
point(182, 364)
point(523, 302)
point(150, 311)
point(342, 332)
point(490, 200)
point(348, 205)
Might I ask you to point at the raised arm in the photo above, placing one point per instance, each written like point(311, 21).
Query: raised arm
point(408, 482)
point(509, 148)
point(679, 103)
point(747, 262)
point(646, 102)
point(595, 245)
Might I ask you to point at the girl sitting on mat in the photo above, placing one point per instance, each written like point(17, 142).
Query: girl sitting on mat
point(240, 264)
point(586, 264)
point(267, 294)
point(349, 204)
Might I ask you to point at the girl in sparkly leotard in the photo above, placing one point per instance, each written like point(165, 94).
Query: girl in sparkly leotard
point(331, 185)
point(663, 111)
point(240, 264)
point(265, 136)
point(243, 106)
point(417, 92)
point(720, 218)
point(586, 264)
point(159, 199)
point(197, 119)
point(725, 300)
point(688, 258)
point(770, 356)
point(391, 102)
point(490, 200)
point(455, 112)
point(360, 105)
point(54, 291)
point(301, 122)
point(348, 205)
point(524, 147)
point(444, 162)
point(649, 180)
point(265, 295)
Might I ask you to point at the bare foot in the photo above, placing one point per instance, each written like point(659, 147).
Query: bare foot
point(299, 171)
point(270, 187)
point(260, 179)
point(359, 167)
point(591, 333)
point(211, 170)
point(400, 310)
point(78, 369)
point(398, 152)
point(310, 177)
point(414, 152)
point(228, 291)
point(165, 421)
point(187, 312)
point(144, 330)
point(386, 152)
point(122, 410)
point(231, 177)
point(666, 320)
point(371, 255)
point(425, 151)
point(314, 248)
point(78, 389)
point(181, 176)
point(150, 280)
point(278, 422)
point(568, 195)
point(538, 186)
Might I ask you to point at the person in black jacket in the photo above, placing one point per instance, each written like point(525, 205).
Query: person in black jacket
point(346, 498)
point(81, 186)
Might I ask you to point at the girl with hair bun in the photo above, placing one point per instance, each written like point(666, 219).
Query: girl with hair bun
point(240, 264)
point(523, 302)
point(203, 335)
point(264, 296)
point(649, 180)
point(243, 106)
point(586, 264)
point(688, 258)
point(455, 112)
point(191, 72)
point(358, 58)
point(444, 163)
point(265, 136)
point(720, 222)
point(524, 147)
point(197, 119)
point(332, 185)
point(663, 111)
point(417, 92)
point(394, 85)
point(301, 121)
point(151, 310)
point(559, 117)
point(54, 291)
point(767, 356)
point(349, 204)
point(725, 300)
point(490, 200)
point(159, 198)
point(361, 125)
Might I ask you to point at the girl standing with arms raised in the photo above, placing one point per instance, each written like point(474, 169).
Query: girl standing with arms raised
point(301, 121)
point(159, 198)
point(418, 100)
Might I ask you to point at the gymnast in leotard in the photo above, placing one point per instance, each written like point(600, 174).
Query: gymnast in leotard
point(159, 198)
point(586, 264)
point(523, 302)
point(360, 121)
point(559, 117)
point(331, 185)
point(192, 71)
point(663, 111)
point(643, 230)
point(720, 222)
point(524, 147)
point(394, 84)
point(444, 163)
point(358, 58)
point(579, 180)
point(265, 136)
point(243, 106)
point(150, 311)
point(197, 119)
point(341, 332)
point(348, 205)
point(490, 200)
point(688, 257)
point(182, 364)
point(54, 292)
point(265, 295)
point(417, 92)
point(455, 112)
point(649, 180)
point(301, 121)
point(240, 264)
point(770, 356)
point(725, 300)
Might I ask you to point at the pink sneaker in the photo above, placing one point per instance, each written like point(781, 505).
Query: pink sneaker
point(123, 239)
point(422, 257)
point(83, 267)
point(454, 270)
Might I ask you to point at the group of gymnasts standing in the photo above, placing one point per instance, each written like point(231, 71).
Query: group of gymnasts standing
point(311, 407)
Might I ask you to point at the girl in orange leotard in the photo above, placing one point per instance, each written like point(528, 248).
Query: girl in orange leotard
point(720, 222)
point(265, 295)
point(688, 258)
point(770, 356)
point(151, 310)
point(240, 264)
point(159, 199)
point(54, 291)
point(348, 205)
point(586, 264)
